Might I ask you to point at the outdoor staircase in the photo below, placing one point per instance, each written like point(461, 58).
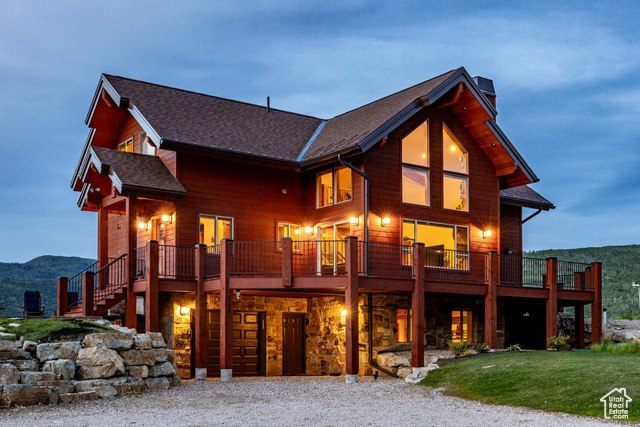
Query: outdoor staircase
point(106, 300)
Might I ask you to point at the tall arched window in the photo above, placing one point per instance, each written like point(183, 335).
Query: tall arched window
point(415, 166)
point(456, 173)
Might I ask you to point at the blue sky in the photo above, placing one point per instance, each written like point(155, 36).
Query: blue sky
point(565, 74)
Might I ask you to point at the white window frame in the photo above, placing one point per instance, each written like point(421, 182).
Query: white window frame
point(452, 174)
point(419, 168)
point(465, 254)
point(320, 241)
point(216, 218)
point(125, 143)
point(294, 243)
point(334, 181)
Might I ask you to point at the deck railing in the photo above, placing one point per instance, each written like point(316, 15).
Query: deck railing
point(571, 276)
point(139, 261)
point(110, 278)
point(522, 271)
point(385, 259)
point(176, 262)
point(74, 287)
point(256, 258)
point(449, 264)
point(212, 263)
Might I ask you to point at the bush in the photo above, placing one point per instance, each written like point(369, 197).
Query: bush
point(514, 347)
point(558, 341)
point(457, 348)
point(482, 348)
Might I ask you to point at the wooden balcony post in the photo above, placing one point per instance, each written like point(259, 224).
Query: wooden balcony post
point(491, 301)
point(287, 259)
point(351, 305)
point(62, 301)
point(151, 313)
point(226, 311)
point(130, 316)
point(103, 243)
point(578, 281)
point(87, 294)
point(596, 306)
point(579, 325)
point(201, 339)
point(551, 283)
point(417, 307)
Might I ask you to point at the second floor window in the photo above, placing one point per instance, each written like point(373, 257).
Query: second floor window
point(446, 245)
point(213, 229)
point(456, 173)
point(126, 146)
point(415, 166)
point(333, 186)
point(292, 231)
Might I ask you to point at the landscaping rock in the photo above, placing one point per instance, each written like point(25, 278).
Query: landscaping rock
point(426, 369)
point(160, 354)
point(118, 341)
point(78, 397)
point(170, 355)
point(28, 377)
point(102, 322)
point(138, 357)
point(65, 369)
point(414, 378)
point(29, 346)
point(11, 353)
point(1, 328)
point(174, 381)
point(9, 344)
point(162, 370)
point(128, 386)
point(27, 395)
point(404, 372)
point(383, 358)
point(58, 350)
point(102, 387)
point(157, 384)
point(398, 362)
point(9, 374)
point(156, 340)
point(141, 342)
point(97, 362)
point(24, 365)
point(124, 330)
point(4, 336)
point(139, 371)
point(63, 386)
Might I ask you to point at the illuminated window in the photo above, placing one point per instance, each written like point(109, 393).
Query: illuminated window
point(446, 245)
point(126, 146)
point(213, 229)
point(404, 325)
point(415, 166)
point(456, 176)
point(289, 230)
point(461, 326)
point(327, 183)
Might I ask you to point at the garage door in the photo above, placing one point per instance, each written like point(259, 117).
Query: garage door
point(247, 343)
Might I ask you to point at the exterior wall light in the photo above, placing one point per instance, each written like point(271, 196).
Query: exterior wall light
point(297, 231)
point(386, 221)
point(354, 220)
point(486, 233)
point(184, 310)
point(167, 218)
point(143, 225)
point(238, 294)
point(343, 315)
point(308, 230)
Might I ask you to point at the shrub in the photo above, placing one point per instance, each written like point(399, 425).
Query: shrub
point(457, 348)
point(558, 341)
point(514, 347)
point(482, 348)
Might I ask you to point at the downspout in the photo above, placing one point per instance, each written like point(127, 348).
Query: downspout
point(372, 363)
point(366, 207)
point(531, 216)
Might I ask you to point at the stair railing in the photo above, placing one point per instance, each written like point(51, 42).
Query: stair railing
point(110, 278)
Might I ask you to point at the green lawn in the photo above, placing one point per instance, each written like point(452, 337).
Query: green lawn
point(51, 330)
point(571, 382)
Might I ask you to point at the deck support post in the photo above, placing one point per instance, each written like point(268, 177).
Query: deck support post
point(226, 311)
point(130, 316)
point(351, 305)
point(491, 301)
point(151, 313)
point(201, 343)
point(287, 258)
point(62, 300)
point(87, 294)
point(103, 243)
point(596, 306)
point(417, 307)
point(579, 325)
point(551, 283)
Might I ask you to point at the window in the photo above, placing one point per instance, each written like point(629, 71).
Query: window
point(404, 325)
point(332, 255)
point(446, 245)
point(289, 230)
point(326, 182)
point(456, 173)
point(126, 146)
point(146, 147)
point(461, 326)
point(213, 229)
point(415, 166)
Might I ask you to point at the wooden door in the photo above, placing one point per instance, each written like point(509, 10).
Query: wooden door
point(293, 344)
point(247, 343)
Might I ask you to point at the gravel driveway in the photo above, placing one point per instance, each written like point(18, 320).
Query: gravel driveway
point(300, 401)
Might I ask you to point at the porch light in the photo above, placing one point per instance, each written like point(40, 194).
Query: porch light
point(238, 294)
point(167, 218)
point(453, 148)
point(354, 220)
point(486, 233)
point(143, 225)
point(385, 221)
point(184, 310)
point(343, 314)
point(297, 231)
point(308, 230)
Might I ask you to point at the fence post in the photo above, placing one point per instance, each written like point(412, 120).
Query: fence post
point(151, 302)
point(551, 283)
point(226, 311)
point(491, 301)
point(62, 302)
point(201, 342)
point(351, 305)
point(596, 306)
point(417, 307)
point(287, 259)
point(87, 294)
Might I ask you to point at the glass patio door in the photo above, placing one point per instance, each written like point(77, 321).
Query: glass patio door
point(332, 252)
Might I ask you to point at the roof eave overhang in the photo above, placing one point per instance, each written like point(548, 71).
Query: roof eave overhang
point(511, 149)
point(526, 203)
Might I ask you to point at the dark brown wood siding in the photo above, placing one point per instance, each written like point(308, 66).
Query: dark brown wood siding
point(511, 227)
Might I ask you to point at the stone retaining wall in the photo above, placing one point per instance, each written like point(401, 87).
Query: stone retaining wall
point(104, 365)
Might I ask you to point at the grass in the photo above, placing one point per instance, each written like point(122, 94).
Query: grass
point(571, 382)
point(609, 347)
point(51, 330)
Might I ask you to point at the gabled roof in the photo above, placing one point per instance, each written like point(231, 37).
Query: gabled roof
point(524, 196)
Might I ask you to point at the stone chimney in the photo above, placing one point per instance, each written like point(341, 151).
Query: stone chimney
point(486, 87)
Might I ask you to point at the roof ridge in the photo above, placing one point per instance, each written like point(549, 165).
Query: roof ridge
point(397, 92)
point(211, 96)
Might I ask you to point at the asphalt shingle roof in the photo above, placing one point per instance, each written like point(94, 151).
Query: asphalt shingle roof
point(525, 196)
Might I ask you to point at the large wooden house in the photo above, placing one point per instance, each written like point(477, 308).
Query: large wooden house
point(265, 242)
